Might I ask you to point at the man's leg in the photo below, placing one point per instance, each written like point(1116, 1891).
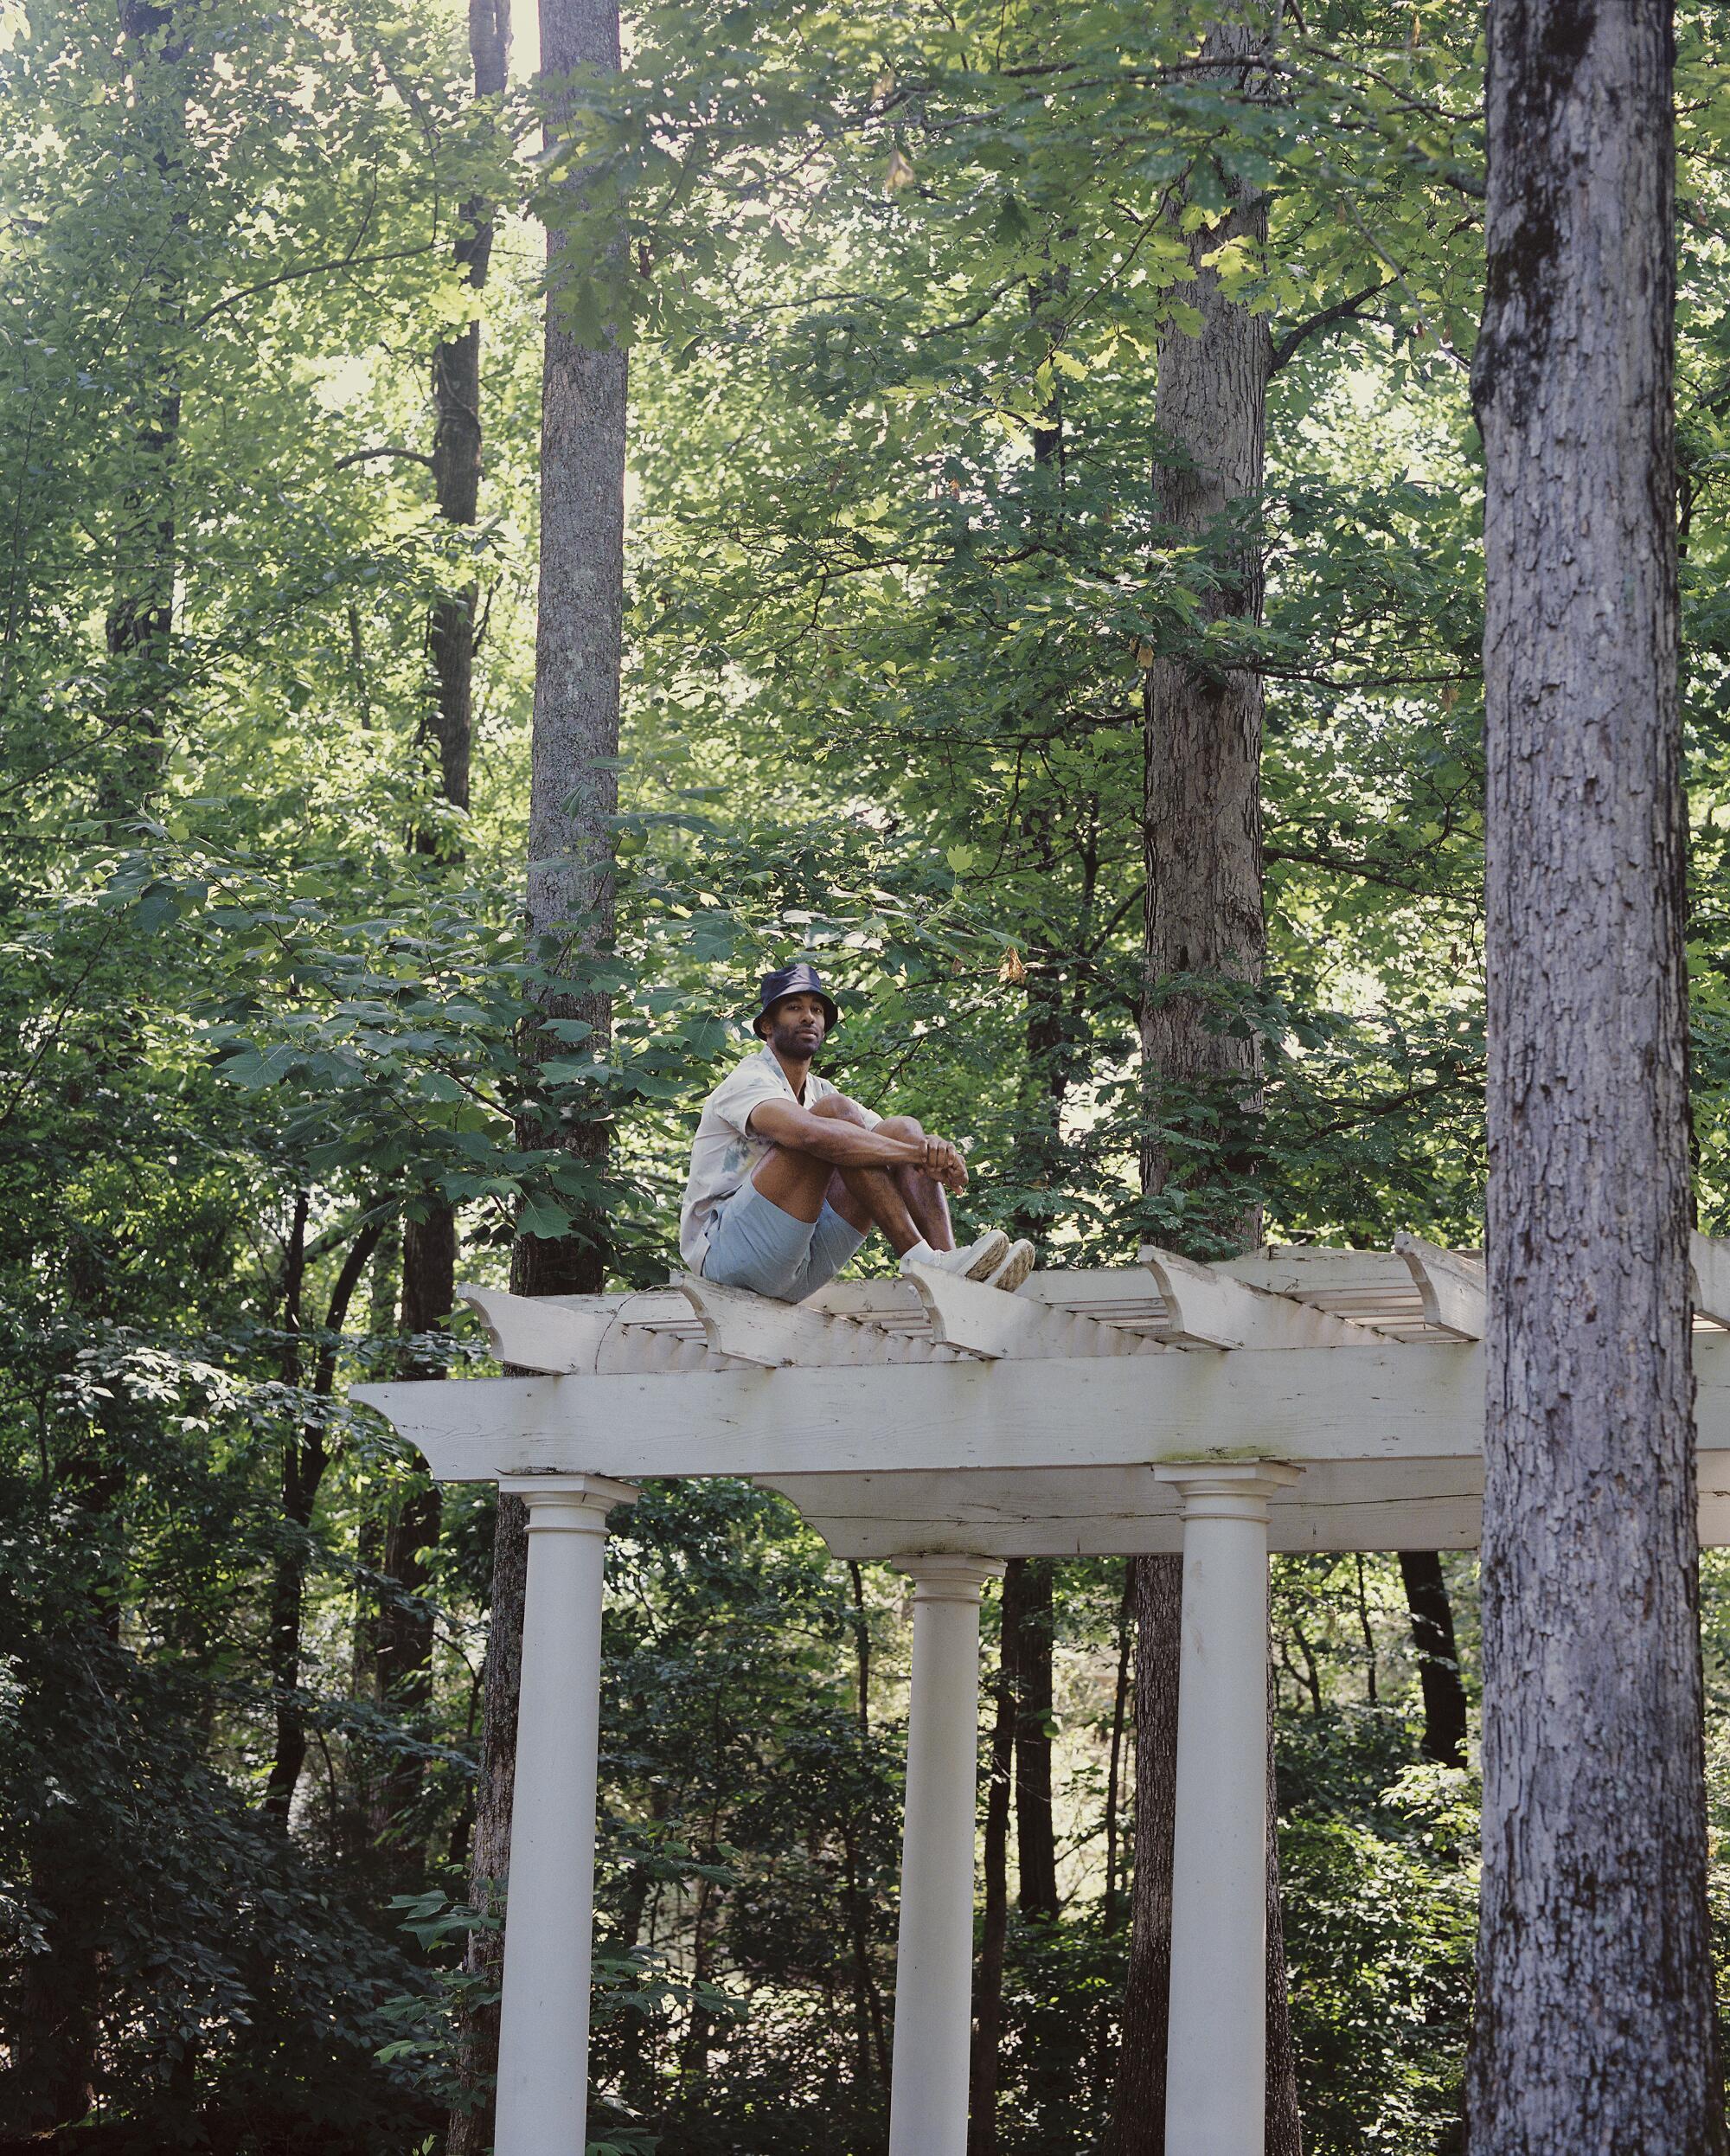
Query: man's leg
point(873, 1198)
point(910, 1207)
point(865, 1198)
point(923, 1196)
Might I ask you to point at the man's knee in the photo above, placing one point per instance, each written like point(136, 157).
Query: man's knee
point(900, 1127)
point(836, 1107)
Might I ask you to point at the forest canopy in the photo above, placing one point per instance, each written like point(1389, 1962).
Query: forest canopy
point(894, 281)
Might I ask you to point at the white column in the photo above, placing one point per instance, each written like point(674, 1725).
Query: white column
point(1216, 2050)
point(934, 1956)
point(543, 2030)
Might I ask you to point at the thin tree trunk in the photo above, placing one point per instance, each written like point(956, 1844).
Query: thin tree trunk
point(1035, 1825)
point(1114, 1772)
point(306, 1456)
point(1284, 2121)
point(987, 1988)
point(471, 2127)
point(138, 629)
point(405, 1633)
point(1438, 1669)
point(1138, 2111)
point(1595, 2024)
point(1202, 947)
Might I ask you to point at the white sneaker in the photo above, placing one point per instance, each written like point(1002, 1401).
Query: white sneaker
point(972, 1263)
point(1015, 1269)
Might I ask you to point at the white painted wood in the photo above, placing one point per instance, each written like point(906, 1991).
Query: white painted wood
point(1708, 1259)
point(1100, 1511)
point(549, 1912)
point(1371, 1287)
point(535, 1333)
point(1216, 2049)
point(959, 1446)
point(1105, 1410)
point(1206, 1307)
point(934, 1954)
point(1126, 1297)
point(892, 1305)
point(985, 1321)
point(772, 1335)
point(1453, 1287)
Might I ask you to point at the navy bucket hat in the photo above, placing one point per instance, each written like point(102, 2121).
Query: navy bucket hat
point(800, 978)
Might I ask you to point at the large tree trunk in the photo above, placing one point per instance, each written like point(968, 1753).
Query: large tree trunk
point(1202, 947)
point(1595, 2028)
point(573, 784)
point(573, 793)
point(1438, 1653)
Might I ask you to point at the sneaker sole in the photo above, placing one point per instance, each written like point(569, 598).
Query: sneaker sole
point(1015, 1269)
point(996, 1250)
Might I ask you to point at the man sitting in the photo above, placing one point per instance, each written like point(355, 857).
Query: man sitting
point(788, 1177)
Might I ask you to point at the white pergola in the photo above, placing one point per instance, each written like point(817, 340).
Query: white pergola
point(1299, 1399)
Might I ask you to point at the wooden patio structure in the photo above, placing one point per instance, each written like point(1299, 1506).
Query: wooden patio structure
point(1298, 1399)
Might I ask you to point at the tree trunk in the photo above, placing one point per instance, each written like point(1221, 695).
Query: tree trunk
point(573, 793)
point(1438, 1670)
point(305, 1458)
point(138, 629)
point(1202, 946)
point(1201, 836)
point(405, 1635)
point(1595, 2024)
point(471, 2129)
point(1284, 2121)
point(1035, 1829)
point(1138, 2111)
point(573, 786)
point(988, 1989)
point(1111, 1916)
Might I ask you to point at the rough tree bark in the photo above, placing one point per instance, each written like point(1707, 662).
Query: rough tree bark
point(574, 794)
point(1595, 2030)
point(1438, 1670)
point(1203, 939)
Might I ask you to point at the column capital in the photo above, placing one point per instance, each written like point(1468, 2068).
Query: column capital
point(943, 1576)
point(1225, 1489)
point(567, 1504)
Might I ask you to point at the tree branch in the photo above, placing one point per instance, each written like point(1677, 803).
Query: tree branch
point(1341, 311)
point(385, 449)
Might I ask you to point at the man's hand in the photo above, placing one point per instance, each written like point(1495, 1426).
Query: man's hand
point(943, 1162)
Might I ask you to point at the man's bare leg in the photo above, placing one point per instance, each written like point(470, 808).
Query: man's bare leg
point(923, 1195)
point(865, 1198)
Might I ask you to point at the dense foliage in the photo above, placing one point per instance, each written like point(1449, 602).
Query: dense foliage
point(897, 278)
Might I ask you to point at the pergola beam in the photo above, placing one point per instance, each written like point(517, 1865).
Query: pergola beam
point(1376, 1403)
point(1451, 1287)
point(1205, 1307)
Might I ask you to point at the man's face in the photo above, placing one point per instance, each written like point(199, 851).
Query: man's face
point(797, 1026)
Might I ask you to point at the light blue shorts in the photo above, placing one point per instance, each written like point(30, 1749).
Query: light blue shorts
point(756, 1245)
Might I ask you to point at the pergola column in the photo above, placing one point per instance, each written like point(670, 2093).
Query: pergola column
point(1216, 2050)
point(543, 2033)
point(934, 1957)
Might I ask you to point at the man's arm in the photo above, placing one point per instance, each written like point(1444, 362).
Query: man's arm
point(846, 1144)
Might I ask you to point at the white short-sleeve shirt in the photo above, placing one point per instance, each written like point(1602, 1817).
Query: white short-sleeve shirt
point(726, 1152)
